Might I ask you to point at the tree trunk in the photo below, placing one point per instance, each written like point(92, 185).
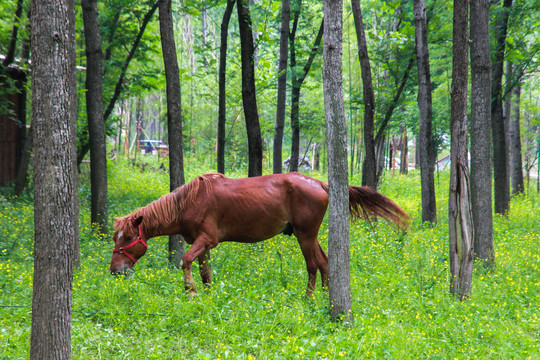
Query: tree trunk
point(249, 98)
point(99, 203)
point(282, 86)
point(174, 117)
point(481, 197)
point(404, 164)
point(460, 223)
point(222, 112)
point(10, 55)
point(369, 170)
point(425, 137)
point(516, 169)
point(22, 174)
point(336, 134)
point(500, 170)
point(54, 121)
point(297, 81)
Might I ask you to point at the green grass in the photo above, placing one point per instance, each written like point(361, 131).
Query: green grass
point(256, 308)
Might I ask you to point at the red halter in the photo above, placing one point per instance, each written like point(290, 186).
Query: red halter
point(122, 249)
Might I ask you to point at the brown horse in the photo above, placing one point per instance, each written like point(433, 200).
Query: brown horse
point(212, 209)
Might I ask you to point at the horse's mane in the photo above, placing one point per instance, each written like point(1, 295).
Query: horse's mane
point(164, 211)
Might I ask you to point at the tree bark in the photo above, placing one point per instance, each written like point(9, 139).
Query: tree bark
point(297, 82)
point(249, 98)
point(481, 197)
point(425, 137)
point(460, 223)
point(54, 121)
point(516, 169)
point(282, 86)
point(222, 112)
point(99, 203)
point(369, 169)
point(336, 134)
point(174, 117)
point(500, 169)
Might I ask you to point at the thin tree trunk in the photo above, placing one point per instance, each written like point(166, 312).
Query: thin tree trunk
point(174, 117)
point(500, 169)
point(297, 82)
point(21, 180)
point(336, 134)
point(516, 169)
point(369, 170)
point(404, 165)
point(481, 197)
point(460, 223)
point(249, 98)
point(425, 137)
point(99, 203)
point(22, 174)
point(54, 121)
point(10, 55)
point(282, 86)
point(221, 137)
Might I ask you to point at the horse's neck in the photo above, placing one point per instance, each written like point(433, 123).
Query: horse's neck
point(160, 227)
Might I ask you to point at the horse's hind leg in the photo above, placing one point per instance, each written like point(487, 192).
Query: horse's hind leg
point(204, 267)
point(316, 259)
point(323, 266)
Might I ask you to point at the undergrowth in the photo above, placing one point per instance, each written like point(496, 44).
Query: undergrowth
point(256, 307)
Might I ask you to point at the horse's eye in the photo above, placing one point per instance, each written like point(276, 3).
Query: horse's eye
point(129, 238)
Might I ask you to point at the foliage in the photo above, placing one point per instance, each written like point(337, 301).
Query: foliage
point(256, 307)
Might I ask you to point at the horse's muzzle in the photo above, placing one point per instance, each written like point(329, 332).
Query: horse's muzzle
point(126, 273)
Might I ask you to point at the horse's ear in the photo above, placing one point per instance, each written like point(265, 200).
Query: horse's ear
point(136, 221)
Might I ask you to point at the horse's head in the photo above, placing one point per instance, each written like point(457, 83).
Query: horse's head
point(129, 244)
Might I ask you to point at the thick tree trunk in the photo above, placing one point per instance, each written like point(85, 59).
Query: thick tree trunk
point(425, 137)
point(54, 121)
point(222, 112)
point(99, 203)
point(460, 223)
point(336, 134)
point(516, 169)
point(480, 123)
point(282, 86)
point(297, 81)
point(500, 147)
point(174, 116)
point(369, 169)
point(249, 98)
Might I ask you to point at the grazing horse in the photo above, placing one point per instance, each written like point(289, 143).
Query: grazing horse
point(213, 208)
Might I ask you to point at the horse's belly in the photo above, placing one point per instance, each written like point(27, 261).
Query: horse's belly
point(255, 230)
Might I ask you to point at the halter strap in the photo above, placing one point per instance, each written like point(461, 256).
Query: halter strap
point(121, 250)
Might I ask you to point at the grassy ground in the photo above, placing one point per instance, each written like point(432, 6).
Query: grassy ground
point(256, 308)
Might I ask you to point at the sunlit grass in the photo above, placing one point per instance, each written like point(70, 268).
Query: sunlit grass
point(256, 308)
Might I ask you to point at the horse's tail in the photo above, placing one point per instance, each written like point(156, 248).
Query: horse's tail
point(365, 202)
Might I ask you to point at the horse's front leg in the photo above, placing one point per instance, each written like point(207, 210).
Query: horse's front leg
point(204, 267)
point(199, 247)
